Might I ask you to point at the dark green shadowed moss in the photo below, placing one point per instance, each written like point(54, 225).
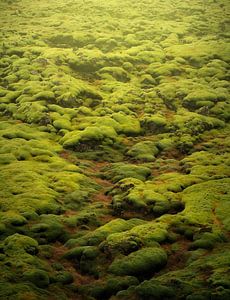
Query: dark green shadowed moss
point(142, 261)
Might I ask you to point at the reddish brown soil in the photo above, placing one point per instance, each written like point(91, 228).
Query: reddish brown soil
point(69, 213)
point(65, 154)
point(169, 115)
point(216, 221)
point(173, 154)
point(58, 251)
point(177, 259)
point(101, 197)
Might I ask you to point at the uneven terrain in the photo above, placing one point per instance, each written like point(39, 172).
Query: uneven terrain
point(114, 150)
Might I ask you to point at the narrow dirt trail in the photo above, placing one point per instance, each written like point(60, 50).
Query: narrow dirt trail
point(97, 174)
point(58, 251)
point(177, 259)
point(100, 198)
point(217, 222)
point(94, 170)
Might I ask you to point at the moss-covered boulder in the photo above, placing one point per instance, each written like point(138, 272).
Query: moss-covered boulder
point(39, 278)
point(144, 151)
point(90, 138)
point(120, 171)
point(146, 260)
point(18, 243)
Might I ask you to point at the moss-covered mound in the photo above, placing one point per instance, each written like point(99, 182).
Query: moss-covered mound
point(114, 150)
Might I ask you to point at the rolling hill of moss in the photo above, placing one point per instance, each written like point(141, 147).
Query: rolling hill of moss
point(114, 150)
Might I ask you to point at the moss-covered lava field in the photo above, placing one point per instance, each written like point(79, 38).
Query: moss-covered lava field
point(114, 150)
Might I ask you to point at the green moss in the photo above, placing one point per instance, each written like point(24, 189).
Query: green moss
point(87, 218)
point(85, 256)
point(137, 93)
point(62, 277)
point(203, 244)
point(193, 98)
point(10, 97)
point(206, 240)
point(147, 80)
point(17, 134)
point(17, 244)
point(151, 197)
point(68, 40)
point(62, 124)
point(167, 69)
point(91, 60)
point(120, 171)
point(22, 291)
point(153, 124)
point(145, 151)
point(32, 112)
point(221, 110)
point(166, 144)
point(38, 277)
point(196, 51)
point(100, 234)
point(45, 95)
point(7, 158)
point(49, 229)
point(148, 289)
point(110, 287)
point(123, 243)
point(151, 233)
point(129, 124)
point(199, 200)
point(89, 138)
point(13, 218)
point(76, 253)
point(117, 73)
point(187, 284)
point(142, 261)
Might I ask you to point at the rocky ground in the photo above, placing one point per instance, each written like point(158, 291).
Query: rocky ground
point(114, 150)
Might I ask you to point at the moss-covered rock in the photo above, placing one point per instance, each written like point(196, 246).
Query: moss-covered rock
point(137, 94)
point(142, 261)
point(116, 72)
point(144, 151)
point(151, 289)
point(18, 243)
point(62, 277)
point(153, 124)
point(39, 278)
point(120, 171)
point(90, 138)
